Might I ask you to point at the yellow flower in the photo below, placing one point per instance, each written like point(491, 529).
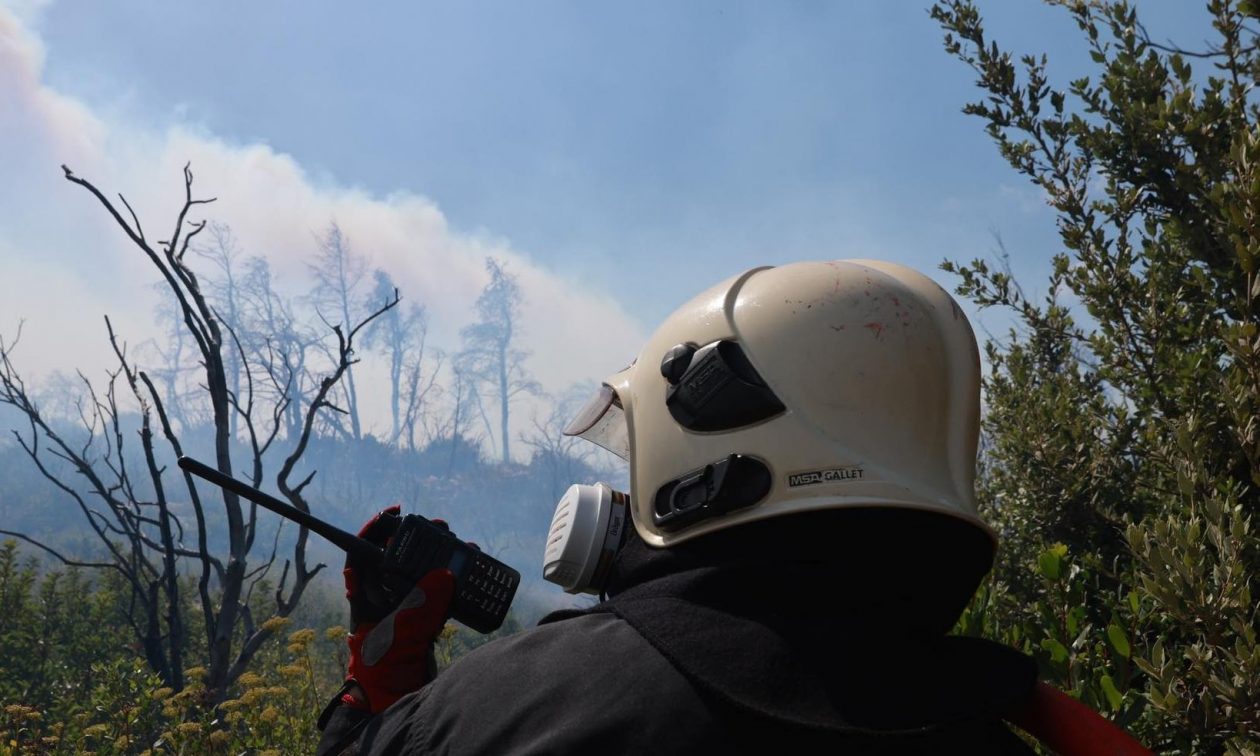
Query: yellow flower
point(196, 673)
point(335, 633)
point(305, 635)
point(230, 705)
point(249, 679)
point(188, 728)
point(122, 742)
point(269, 714)
point(291, 670)
point(219, 738)
point(161, 693)
point(270, 752)
point(275, 623)
point(94, 731)
point(252, 696)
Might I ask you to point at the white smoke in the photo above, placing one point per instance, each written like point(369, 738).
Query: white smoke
point(64, 264)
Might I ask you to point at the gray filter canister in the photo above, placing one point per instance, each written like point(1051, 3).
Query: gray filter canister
point(586, 532)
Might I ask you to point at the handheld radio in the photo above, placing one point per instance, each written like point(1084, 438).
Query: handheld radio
point(484, 586)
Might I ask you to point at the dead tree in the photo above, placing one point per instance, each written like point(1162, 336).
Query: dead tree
point(141, 538)
point(130, 513)
point(565, 458)
point(224, 253)
point(339, 272)
point(419, 394)
point(279, 339)
point(490, 357)
point(402, 339)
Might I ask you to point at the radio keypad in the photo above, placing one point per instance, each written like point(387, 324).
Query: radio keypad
point(489, 587)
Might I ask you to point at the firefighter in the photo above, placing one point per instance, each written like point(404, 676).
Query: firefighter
point(799, 536)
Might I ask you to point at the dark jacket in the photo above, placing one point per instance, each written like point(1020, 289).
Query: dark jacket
point(716, 650)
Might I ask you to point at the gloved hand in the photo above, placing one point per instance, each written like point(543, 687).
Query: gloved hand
point(391, 645)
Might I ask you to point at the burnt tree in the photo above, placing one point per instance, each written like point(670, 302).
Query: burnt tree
point(130, 511)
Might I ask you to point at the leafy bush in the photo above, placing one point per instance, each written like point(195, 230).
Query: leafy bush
point(69, 684)
point(120, 707)
point(1121, 460)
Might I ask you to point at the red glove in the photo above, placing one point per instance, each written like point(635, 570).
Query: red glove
point(391, 644)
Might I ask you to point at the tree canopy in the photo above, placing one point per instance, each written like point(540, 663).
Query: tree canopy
point(1121, 461)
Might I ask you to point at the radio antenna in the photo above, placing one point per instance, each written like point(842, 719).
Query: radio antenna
point(347, 542)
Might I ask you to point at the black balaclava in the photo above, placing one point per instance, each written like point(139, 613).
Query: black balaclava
point(899, 570)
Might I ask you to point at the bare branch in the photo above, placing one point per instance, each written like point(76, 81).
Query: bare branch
point(61, 558)
point(297, 490)
point(188, 237)
point(134, 219)
point(203, 582)
point(1171, 47)
point(197, 327)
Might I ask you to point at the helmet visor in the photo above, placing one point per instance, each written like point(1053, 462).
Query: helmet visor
point(602, 422)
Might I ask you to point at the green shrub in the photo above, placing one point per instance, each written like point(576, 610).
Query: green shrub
point(1121, 460)
point(71, 685)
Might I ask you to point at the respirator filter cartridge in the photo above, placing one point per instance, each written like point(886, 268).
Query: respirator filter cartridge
point(587, 529)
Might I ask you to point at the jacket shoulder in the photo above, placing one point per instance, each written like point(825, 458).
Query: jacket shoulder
point(587, 684)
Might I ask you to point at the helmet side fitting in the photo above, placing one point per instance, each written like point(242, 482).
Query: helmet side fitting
point(876, 371)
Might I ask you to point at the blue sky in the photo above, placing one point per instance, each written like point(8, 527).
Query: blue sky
point(632, 153)
point(656, 148)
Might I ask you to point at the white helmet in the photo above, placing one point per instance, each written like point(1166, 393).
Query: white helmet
point(815, 385)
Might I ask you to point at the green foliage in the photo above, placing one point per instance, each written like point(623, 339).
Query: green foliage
point(129, 711)
point(68, 684)
point(51, 631)
point(1121, 462)
point(71, 682)
point(1073, 622)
